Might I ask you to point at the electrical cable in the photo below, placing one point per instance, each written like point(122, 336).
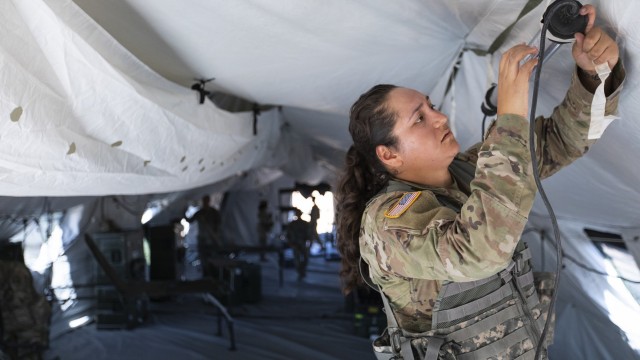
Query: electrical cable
point(543, 195)
point(532, 117)
point(590, 269)
point(488, 106)
point(484, 120)
point(583, 266)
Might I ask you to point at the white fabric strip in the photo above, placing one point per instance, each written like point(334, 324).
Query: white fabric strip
point(600, 121)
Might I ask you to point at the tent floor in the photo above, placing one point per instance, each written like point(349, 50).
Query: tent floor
point(300, 320)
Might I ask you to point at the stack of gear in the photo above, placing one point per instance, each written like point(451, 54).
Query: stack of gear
point(242, 279)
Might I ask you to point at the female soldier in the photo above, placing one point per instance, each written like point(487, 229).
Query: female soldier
point(439, 232)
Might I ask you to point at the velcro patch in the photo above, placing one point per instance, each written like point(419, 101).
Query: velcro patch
point(402, 205)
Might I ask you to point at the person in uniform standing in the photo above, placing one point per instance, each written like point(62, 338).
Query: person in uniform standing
point(438, 231)
point(299, 236)
point(209, 241)
point(315, 215)
point(265, 224)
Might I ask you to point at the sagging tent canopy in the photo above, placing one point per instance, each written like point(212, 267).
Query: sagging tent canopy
point(97, 100)
point(97, 97)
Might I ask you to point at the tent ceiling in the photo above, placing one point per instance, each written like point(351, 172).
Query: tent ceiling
point(96, 96)
point(78, 88)
point(290, 53)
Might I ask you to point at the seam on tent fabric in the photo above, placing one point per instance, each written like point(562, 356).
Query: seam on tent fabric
point(530, 5)
point(486, 14)
point(501, 38)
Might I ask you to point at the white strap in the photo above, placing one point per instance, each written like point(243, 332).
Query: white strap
point(600, 121)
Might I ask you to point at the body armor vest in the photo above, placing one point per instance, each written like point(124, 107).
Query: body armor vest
point(499, 317)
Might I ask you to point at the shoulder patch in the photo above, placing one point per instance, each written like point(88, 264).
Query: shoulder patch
point(402, 205)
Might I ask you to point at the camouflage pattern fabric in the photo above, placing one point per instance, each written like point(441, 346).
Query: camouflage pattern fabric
point(25, 313)
point(514, 323)
point(520, 348)
point(411, 255)
point(544, 282)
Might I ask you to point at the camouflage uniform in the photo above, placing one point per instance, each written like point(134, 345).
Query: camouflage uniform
point(298, 233)
point(415, 242)
point(24, 314)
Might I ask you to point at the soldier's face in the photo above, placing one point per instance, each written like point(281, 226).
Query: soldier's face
point(425, 141)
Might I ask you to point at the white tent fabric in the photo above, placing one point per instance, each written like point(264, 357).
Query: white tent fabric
point(96, 101)
point(588, 301)
point(87, 118)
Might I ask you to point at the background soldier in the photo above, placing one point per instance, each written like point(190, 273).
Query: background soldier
point(265, 223)
point(313, 223)
point(209, 241)
point(299, 235)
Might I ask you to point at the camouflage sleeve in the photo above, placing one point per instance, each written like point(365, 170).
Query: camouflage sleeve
point(562, 138)
point(430, 241)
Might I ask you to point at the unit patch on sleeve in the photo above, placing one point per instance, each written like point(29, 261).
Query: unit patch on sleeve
point(402, 205)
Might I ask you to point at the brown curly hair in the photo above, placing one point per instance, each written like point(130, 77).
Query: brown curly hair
point(371, 124)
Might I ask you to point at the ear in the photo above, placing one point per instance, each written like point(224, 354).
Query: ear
point(388, 157)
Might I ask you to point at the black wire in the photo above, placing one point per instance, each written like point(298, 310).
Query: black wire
point(484, 119)
point(536, 177)
point(586, 267)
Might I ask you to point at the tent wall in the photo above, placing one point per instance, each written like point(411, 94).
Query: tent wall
point(599, 310)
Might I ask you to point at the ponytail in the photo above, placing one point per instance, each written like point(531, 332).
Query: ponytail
point(351, 200)
point(371, 124)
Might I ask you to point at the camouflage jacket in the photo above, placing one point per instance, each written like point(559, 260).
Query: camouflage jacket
point(412, 242)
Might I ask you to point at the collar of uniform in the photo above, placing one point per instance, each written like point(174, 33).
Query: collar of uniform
point(402, 185)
